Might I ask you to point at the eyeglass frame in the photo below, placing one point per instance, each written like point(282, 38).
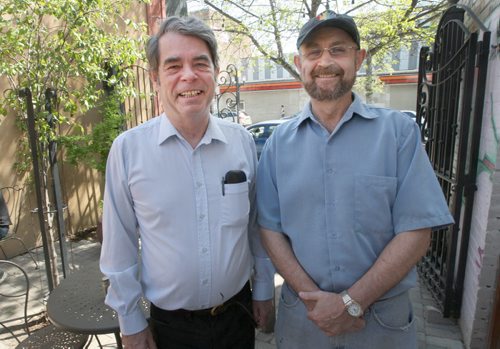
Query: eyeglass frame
point(307, 55)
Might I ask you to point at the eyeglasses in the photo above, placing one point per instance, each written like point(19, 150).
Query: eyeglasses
point(335, 52)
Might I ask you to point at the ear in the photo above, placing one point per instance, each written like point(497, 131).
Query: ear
point(360, 57)
point(298, 62)
point(153, 75)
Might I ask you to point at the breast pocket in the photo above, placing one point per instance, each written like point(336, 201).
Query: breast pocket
point(235, 206)
point(373, 200)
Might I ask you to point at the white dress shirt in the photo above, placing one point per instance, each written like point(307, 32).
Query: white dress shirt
point(198, 246)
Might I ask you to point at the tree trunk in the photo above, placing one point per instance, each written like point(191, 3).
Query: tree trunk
point(369, 78)
point(51, 233)
point(176, 8)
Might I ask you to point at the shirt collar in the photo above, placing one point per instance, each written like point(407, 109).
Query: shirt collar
point(167, 130)
point(213, 132)
point(357, 107)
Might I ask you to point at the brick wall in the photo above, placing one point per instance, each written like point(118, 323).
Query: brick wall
point(482, 261)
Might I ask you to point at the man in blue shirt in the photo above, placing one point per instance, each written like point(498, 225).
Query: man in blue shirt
point(347, 199)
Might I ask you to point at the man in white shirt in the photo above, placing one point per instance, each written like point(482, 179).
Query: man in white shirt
point(183, 183)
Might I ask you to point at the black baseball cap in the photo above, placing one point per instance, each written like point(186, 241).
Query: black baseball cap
point(329, 19)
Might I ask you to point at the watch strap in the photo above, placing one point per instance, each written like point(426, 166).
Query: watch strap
point(352, 307)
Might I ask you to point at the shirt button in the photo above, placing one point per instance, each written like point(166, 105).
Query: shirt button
point(330, 171)
point(198, 184)
point(336, 268)
point(204, 250)
point(202, 216)
point(205, 282)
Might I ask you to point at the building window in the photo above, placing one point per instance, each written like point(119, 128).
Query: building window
point(267, 71)
point(244, 69)
point(256, 69)
point(414, 55)
point(279, 72)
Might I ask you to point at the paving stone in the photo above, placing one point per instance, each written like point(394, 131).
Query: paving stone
point(434, 316)
point(444, 332)
point(422, 344)
point(444, 343)
point(430, 346)
point(420, 325)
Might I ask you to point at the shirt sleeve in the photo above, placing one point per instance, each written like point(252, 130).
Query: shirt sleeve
point(120, 247)
point(268, 202)
point(419, 202)
point(263, 276)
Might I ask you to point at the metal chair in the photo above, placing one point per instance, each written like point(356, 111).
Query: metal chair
point(47, 337)
point(14, 199)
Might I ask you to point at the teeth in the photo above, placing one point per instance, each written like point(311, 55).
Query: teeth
point(190, 93)
point(326, 76)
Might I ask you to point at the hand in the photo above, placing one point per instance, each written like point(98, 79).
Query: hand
point(329, 313)
point(140, 340)
point(264, 315)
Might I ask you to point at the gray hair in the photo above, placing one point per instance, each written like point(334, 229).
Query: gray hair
point(186, 26)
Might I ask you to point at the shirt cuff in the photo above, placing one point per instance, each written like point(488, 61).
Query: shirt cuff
point(263, 279)
point(133, 322)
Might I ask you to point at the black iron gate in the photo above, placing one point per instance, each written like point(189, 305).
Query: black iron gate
point(451, 86)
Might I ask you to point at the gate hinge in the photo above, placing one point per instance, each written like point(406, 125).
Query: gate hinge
point(470, 189)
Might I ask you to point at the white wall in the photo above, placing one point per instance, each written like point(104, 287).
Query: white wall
point(483, 251)
point(266, 105)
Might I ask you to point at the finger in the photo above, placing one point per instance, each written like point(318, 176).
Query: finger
point(310, 296)
point(309, 305)
point(359, 324)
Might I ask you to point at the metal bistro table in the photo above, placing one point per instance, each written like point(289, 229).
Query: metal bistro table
point(77, 304)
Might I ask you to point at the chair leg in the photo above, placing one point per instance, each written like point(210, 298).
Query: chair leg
point(12, 333)
point(89, 341)
point(25, 248)
point(98, 341)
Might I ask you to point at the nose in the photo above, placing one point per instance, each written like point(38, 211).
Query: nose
point(188, 73)
point(325, 58)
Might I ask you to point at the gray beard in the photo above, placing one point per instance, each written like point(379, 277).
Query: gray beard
point(344, 86)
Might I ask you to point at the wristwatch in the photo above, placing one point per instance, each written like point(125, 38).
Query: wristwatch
point(353, 307)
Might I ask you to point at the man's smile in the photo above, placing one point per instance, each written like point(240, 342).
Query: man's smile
point(190, 94)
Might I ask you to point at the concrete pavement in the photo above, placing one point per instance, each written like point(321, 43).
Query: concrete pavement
point(434, 332)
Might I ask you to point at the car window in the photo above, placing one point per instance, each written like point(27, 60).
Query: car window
point(257, 132)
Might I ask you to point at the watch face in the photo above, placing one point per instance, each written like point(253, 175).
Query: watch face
point(354, 310)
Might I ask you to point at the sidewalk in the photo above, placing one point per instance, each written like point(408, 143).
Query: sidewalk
point(434, 332)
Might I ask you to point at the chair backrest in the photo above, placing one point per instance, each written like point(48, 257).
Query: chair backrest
point(14, 198)
point(14, 285)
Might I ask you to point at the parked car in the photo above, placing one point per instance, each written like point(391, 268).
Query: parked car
point(422, 125)
point(244, 119)
point(261, 131)
point(410, 113)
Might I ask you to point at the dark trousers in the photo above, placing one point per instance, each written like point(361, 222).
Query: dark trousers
point(232, 327)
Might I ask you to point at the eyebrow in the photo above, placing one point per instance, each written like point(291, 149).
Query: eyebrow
point(333, 43)
point(202, 57)
point(175, 59)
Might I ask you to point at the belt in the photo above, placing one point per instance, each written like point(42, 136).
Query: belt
point(240, 297)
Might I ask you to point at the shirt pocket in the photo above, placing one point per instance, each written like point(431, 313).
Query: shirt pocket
point(235, 206)
point(373, 200)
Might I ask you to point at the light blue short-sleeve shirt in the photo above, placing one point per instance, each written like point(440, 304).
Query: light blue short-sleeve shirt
point(341, 197)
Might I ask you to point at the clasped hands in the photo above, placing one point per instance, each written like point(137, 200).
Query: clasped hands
point(327, 311)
